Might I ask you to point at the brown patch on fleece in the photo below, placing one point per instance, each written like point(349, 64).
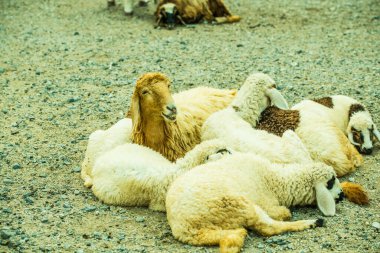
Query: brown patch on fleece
point(326, 101)
point(277, 121)
point(355, 108)
point(355, 193)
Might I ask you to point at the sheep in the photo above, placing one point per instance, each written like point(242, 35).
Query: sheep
point(134, 175)
point(172, 125)
point(251, 99)
point(251, 108)
point(170, 12)
point(102, 141)
point(350, 116)
point(128, 5)
point(214, 203)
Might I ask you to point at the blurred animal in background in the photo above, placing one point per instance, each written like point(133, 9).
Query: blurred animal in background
point(129, 4)
point(172, 12)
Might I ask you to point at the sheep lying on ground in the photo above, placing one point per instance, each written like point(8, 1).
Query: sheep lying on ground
point(229, 124)
point(327, 143)
point(171, 125)
point(171, 12)
point(214, 204)
point(350, 116)
point(128, 5)
point(323, 139)
point(102, 141)
point(134, 175)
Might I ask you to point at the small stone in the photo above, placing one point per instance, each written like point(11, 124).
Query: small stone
point(351, 179)
point(260, 246)
point(76, 33)
point(76, 170)
point(140, 219)
point(376, 225)
point(89, 209)
point(76, 192)
point(43, 175)
point(16, 166)
point(28, 200)
point(239, 45)
point(72, 100)
point(8, 181)
point(45, 220)
point(38, 72)
point(67, 205)
point(6, 234)
point(2, 70)
point(7, 210)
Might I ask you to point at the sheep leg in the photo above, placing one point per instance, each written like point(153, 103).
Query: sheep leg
point(355, 193)
point(230, 241)
point(266, 226)
point(128, 7)
point(111, 3)
point(279, 213)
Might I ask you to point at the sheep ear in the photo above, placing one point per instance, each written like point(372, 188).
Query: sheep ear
point(277, 99)
point(325, 201)
point(376, 133)
point(135, 111)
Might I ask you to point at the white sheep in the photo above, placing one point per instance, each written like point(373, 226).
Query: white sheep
point(252, 105)
point(134, 175)
point(230, 124)
point(129, 5)
point(102, 141)
point(214, 204)
point(350, 116)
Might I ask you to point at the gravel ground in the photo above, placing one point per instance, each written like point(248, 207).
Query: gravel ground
point(68, 68)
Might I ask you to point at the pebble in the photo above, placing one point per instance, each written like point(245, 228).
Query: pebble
point(2, 70)
point(16, 166)
point(140, 219)
point(6, 234)
point(76, 192)
point(376, 225)
point(45, 220)
point(7, 181)
point(76, 169)
point(89, 209)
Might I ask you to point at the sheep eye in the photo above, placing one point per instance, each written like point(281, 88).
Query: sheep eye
point(144, 92)
point(330, 183)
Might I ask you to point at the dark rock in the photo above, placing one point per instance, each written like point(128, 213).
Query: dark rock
point(16, 166)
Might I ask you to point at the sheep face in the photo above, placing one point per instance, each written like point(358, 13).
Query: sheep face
point(327, 194)
point(168, 14)
point(152, 98)
point(362, 132)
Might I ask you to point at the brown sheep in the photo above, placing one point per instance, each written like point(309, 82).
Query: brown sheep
point(171, 12)
point(172, 125)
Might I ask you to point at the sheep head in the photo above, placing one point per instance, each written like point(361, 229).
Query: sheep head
point(361, 130)
point(328, 192)
point(256, 94)
point(168, 14)
point(152, 99)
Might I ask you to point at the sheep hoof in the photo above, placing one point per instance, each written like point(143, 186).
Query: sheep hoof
point(143, 3)
point(319, 222)
point(111, 4)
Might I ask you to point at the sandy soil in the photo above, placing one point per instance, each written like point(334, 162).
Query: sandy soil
point(68, 68)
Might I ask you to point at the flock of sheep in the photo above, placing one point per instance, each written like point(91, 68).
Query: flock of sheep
point(171, 12)
point(220, 162)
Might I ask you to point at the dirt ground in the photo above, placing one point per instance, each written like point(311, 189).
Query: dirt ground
point(68, 68)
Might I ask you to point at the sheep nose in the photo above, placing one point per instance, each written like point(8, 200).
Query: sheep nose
point(172, 108)
point(367, 151)
point(341, 196)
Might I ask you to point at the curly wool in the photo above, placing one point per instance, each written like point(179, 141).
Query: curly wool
point(134, 175)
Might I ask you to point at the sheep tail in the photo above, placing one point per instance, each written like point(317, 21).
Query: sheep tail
point(229, 241)
point(227, 19)
point(355, 193)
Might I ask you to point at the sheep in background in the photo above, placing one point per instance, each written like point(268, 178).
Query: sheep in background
point(214, 203)
point(171, 12)
point(129, 4)
point(350, 116)
point(172, 125)
point(134, 175)
point(102, 141)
